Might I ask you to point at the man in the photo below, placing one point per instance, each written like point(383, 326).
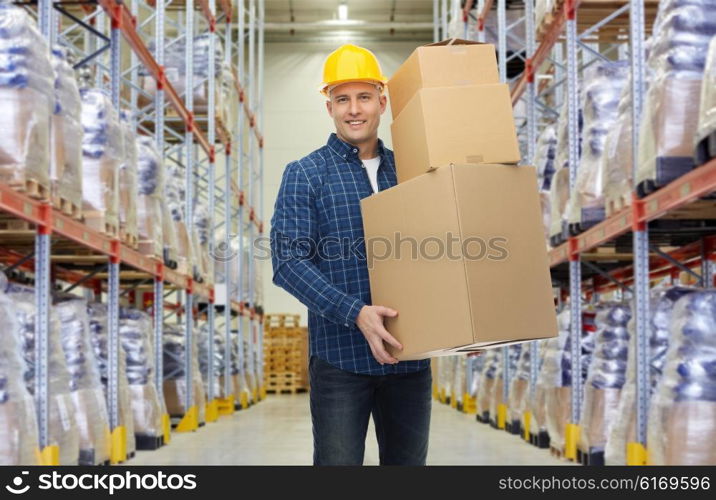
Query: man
point(318, 256)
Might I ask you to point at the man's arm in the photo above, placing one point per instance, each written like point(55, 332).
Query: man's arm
point(294, 234)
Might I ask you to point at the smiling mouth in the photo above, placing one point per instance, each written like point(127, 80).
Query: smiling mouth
point(355, 123)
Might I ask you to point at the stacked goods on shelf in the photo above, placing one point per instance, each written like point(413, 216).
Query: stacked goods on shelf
point(446, 376)
point(175, 390)
point(201, 236)
point(559, 188)
point(250, 372)
point(623, 429)
point(175, 230)
point(474, 368)
point(487, 384)
point(63, 431)
point(284, 353)
point(218, 361)
point(99, 336)
point(242, 391)
point(606, 377)
point(175, 71)
point(18, 424)
point(617, 159)
point(544, 9)
point(498, 405)
point(603, 84)
point(455, 149)
point(706, 129)
point(536, 405)
point(246, 259)
point(519, 396)
point(90, 407)
point(127, 182)
point(457, 399)
point(682, 414)
point(556, 377)
point(677, 56)
point(230, 104)
point(150, 192)
point(102, 155)
point(66, 138)
point(545, 156)
point(27, 100)
point(136, 334)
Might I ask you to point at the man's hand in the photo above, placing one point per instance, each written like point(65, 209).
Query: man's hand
point(370, 323)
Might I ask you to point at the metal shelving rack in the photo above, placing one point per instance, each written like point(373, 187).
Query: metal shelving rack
point(94, 32)
point(565, 45)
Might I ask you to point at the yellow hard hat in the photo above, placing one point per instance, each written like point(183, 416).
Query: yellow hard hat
point(350, 63)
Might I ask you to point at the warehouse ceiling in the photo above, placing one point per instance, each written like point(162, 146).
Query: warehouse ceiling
point(375, 20)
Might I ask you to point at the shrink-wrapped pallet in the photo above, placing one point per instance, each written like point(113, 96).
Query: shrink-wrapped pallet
point(623, 429)
point(487, 383)
point(128, 183)
point(603, 83)
point(18, 425)
point(706, 128)
point(616, 163)
point(682, 415)
point(150, 193)
point(136, 336)
point(677, 57)
point(102, 154)
point(99, 335)
point(175, 388)
point(218, 361)
point(174, 196)
point(89, 405)
point(66, 136)
point(497, 397)
point(606, 376)
point(27, 100)
point(556, 377)
point(519, 398)
point(62, 428)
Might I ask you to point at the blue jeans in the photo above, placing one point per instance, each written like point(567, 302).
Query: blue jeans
point(342, 402)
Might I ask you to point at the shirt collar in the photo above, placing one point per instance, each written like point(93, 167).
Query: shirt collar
point(346, 150)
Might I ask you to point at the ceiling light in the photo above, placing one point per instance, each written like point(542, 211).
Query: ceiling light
point(343, 11)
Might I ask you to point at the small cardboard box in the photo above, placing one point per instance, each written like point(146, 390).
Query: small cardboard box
point(448, 63)
point(470, 124)
point(459, 253)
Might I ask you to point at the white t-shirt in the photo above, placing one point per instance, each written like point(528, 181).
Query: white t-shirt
point(371, 167)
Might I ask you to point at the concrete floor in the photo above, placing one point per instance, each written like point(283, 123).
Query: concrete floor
point(277, 431)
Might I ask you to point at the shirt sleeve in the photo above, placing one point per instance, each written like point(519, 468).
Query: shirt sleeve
point(294, 240)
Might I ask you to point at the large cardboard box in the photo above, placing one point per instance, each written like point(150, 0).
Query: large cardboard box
point(469, 124)
point(495, 292)
point(448, 63)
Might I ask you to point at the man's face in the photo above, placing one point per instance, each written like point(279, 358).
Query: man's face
point(356, 108)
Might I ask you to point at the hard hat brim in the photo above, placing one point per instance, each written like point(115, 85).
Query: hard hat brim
point(325, 87)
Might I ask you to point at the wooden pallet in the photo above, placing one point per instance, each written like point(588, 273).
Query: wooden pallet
point(148, 248)
point(128, 239)
point(15, 225)
point(98, 222)
point(614, 205)
point(556, 452)
point(33, 189)
point(281, 320)
point(67, 207)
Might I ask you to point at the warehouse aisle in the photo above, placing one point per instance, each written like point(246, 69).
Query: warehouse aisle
point(278, 432)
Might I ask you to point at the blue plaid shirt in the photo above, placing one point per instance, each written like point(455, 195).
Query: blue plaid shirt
point(318, 250)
